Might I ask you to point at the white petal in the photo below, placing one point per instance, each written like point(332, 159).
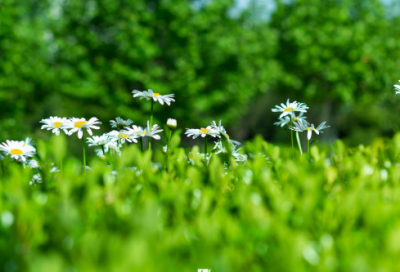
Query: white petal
point(309, 134)
point(80, 134)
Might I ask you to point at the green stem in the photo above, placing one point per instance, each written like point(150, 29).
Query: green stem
point(308, 149)
point(141, 143)
point(84, 153)
point(291, 136)
point(168, 148)
point(205, 146)
point(299, 143)
point(151, 121)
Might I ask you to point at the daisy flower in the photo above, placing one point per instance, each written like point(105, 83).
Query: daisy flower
point(167, 98)
point(289, 107)
point(397, 87)
point(34, 164)
point(123, 135)
point(171, 123)
point(139, 131)
point(18, 150)
point(303, 126)
point(120, 123)
point(78, 124)
point(98, 140)
point(54, 124)
point(203, 132)
point(37, 178)
point(222, 131)
point(283, 121)
point(155, 129)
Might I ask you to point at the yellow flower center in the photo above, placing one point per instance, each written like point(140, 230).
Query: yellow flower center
point(309, 128)
point(295, 118)
point(124, 136)
point(227, 135)
point(204, 130)
point(156, 94)
point(288, 109)
point(57, 124)
point(16, 151)
point(80, 123)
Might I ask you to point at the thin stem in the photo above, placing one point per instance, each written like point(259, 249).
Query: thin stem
point(308, 149)
point(299, 143)
point(205, 146)
point(84, 154)
point(291, 135)
point(151, 121)
point(168, 148)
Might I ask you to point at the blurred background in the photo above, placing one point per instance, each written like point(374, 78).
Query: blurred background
point(229, 60)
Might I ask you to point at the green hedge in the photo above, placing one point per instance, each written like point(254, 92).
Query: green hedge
point(337, 213)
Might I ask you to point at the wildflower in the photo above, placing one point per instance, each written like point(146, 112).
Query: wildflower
point(29, 141)
point(18, 150)
point(153, 132)
point(168, 98)
point(139, 131)
point(37, 178)
point(397, 87)
point(223, 132)
point(203, 132)
point(123, 136)
point(54, 169)
point(283, 121)
point(303, 126)
point(171, 123)
point(112, 147)
point(98, 140)
point(289, 107)
point(54, 124)
point(78, 124)
point(120, 123)
point(34, 164)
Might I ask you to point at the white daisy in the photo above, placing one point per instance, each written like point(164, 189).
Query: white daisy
point(54, 169)
point(36, 179)
point(171, 123)
point(283, 121)
point(34, 164)
point(78, 124)
point(155, 129)
point(289, 107)
point(139, 131)
point(98, 140)
point(203, 132)
point(302, 126)
point(111, 147)
point(54, 124)
point(123, 135)
point(168, 98)
point(120, 123)
point(397, 87)
point(18, 150)
point(222, 131)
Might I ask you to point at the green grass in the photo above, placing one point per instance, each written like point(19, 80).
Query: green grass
point(268, 215)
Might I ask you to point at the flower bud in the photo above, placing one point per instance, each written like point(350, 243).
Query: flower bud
point(171, 123)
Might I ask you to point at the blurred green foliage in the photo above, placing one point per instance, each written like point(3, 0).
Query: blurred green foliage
point(338, 213)
point(83, 58)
